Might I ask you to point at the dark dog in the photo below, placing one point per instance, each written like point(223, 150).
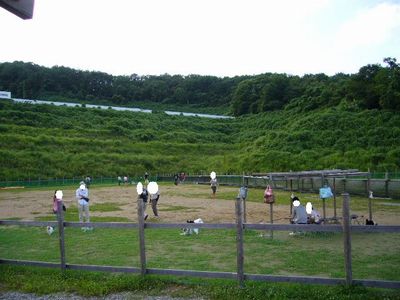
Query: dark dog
point(369, 222)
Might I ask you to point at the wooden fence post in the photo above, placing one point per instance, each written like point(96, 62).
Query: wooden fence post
point(298, 183)
point(271, 219)
point(244, 210)
point(347, 238)
point(387, 185)
point(368, 187)
point(239, 241)
point(334, 199)
point(60, 219)
point(141, 236)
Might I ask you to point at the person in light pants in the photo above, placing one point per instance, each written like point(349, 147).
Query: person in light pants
point(154, 200)
point(82, 197)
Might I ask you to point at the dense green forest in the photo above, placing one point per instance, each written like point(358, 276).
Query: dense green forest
point(373, 87)
point(50, 141)
point(283, 122)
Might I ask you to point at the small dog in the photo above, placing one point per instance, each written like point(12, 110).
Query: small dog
point(190, 231)
point(369, 222)
point(187, 231)
point(49, 230)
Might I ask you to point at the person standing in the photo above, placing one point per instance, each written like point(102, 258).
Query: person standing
point(145, 196)
point(154, 201)
point(146, 179)
point(213, 184)
point(88, 181)
point(57, 198)
point(176, 179)
point(82, 197)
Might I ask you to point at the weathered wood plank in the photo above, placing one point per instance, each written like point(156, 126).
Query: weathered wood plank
point(239, 241)
point(29, 263)
point(102, 224)
point(347, 238)
point(278, 227)
point(60, 220)
point(378, 283)
point(192, 225)
point(28, 223)
point(377, 228)
point(294, 227)
point(142, 248)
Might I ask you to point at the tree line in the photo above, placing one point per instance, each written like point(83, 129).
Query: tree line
point(373, 87)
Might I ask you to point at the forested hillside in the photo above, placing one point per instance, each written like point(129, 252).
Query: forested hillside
point(48, 141)
point(283, 122)
point(373, 87)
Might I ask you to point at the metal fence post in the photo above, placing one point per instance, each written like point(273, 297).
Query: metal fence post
point(347, 238)
point(60, 219)
point(141, 236)
point(239, 241)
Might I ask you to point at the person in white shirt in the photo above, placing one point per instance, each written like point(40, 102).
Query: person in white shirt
point(82, 197)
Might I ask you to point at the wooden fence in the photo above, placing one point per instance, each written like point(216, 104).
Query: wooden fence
point(346, 228)
point(386, 188)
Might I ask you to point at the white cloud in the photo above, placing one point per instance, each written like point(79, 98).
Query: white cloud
point(370, 27)
point(214, 37)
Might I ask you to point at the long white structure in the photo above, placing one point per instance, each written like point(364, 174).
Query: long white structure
point(5, 95)
point(119, 108)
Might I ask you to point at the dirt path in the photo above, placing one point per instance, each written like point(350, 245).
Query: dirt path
point(176, 204)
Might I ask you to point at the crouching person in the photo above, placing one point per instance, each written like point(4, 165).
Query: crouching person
point(299, 214)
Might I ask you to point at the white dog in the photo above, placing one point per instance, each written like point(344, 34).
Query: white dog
point(49, 230)
point(189, 231)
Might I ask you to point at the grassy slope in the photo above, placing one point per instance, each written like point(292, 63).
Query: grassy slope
point(47, 141)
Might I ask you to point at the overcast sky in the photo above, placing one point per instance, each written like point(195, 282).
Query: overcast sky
point(207, 37)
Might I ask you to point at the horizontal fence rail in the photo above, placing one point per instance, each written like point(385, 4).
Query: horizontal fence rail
point(386, 185)
point(240, 227)
point(276, 227)
point(384, 188)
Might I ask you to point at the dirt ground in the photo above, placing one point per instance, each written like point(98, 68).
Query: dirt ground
point(177, 204)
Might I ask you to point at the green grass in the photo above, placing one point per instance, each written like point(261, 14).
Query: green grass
point(47, 281)
point(211, 250)
point(375, 256)
point(105, 207)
